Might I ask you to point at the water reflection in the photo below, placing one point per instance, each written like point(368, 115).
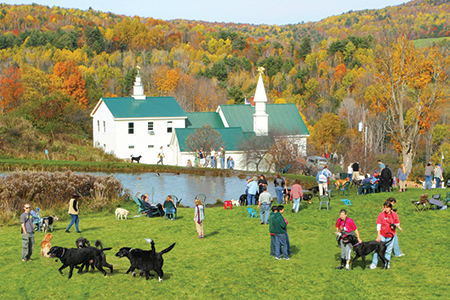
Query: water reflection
point(185, 186)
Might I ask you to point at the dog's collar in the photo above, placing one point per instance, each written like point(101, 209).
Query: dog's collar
point(64, 251)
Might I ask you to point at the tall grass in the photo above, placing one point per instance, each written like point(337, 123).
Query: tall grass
point(233, 261)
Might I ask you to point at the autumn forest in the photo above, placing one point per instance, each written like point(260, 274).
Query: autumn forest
point(362, 66)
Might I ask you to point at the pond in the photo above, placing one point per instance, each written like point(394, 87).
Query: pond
point(184, 186)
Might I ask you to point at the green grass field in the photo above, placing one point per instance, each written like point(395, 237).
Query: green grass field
point(421, 43)
point(233, 261)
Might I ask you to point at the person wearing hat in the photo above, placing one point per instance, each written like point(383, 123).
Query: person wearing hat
point(387, 223)
point(252, 190)
point(73, 212)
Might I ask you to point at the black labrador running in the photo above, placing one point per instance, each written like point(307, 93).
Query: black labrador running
point(365, 248)
point(144, 260)
point(73, 257)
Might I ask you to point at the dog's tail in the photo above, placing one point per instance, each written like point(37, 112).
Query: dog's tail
point(392, 237)
point(99, 245)
point(168, 249)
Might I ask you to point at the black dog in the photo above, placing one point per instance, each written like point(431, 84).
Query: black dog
point(243, 199)
point(356, 182)
point(83, 243)
point(73, 257)
point(145, 261)
point(313, 190)
point(135, 158)
point(365, 248)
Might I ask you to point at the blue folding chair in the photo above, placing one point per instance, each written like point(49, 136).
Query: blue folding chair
point(251, 212)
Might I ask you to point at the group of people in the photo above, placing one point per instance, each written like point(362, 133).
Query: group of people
point(254, 187)
point(435, 172)
point(215, 157)
point(387, 224)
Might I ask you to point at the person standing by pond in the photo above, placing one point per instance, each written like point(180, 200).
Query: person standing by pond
point(213, 158)
point(201, 155)
point(345, 227)
point(252, 190)
point(26, 223)
point(199, 217)
point(222, 157)
point(73, 212)
point(261, 182)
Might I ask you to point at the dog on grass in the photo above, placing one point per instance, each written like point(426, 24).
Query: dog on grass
point(365, 248)
point(341, 182)
point(144, 260)
point(235, 202)
point(135, 158)
point(122, 213)
point(46, 244)
point(81, 242)
point(47, 223)
point(73, 257)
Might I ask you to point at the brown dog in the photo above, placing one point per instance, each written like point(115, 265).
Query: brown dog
point(46, 244)
point(340, 182)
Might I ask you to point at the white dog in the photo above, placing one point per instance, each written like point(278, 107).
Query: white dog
point(235, 202)
point(120, 212)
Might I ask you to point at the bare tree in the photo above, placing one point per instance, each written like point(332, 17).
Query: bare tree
point(204, 138)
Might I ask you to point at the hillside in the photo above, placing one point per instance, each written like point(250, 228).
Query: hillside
point(57, 63)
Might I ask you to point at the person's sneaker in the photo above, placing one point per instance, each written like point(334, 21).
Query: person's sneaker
point(23, 259)
point(347, 267)
point(277, 258)
point(286, 258)
point(78, 231)
point(403, 254)
point(67, 231)
point(372, 266)
point(388, 267)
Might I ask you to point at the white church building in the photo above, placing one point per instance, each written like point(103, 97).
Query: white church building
point(140, 125)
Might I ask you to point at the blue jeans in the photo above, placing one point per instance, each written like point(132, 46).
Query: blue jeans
point(288, 243)
point(281, 245)
point(265, 208)
point(279, 191)
point(251, 199)
point(437, 181)
point(296, 206)
point(75, 220)
point(388, 253)
point(213, 162)
point(428, 181)
point(222, 162)
point(396, 250)
point(350, 175)
point(272, 245)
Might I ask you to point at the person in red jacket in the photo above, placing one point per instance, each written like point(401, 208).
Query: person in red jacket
point(387, 223)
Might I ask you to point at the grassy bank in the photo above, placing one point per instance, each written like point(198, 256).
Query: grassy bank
point(233, 261)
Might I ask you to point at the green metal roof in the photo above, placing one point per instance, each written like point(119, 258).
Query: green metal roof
point(231, 136)
point(151, 107)
point(281, 116)
point(198, 119)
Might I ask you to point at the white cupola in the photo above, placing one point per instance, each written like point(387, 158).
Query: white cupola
point(260, 117)
point(138, 88)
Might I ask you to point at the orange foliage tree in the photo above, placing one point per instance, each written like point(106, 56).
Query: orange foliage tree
point(166, 81)
point(413, 87)
point(11, 89)
point(67, 78)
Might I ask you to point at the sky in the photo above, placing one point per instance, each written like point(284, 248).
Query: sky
point(271, 12)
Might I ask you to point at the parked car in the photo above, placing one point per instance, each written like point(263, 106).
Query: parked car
point(315, 163)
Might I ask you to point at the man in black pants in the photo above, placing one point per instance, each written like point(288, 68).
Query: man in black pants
point(386, 179)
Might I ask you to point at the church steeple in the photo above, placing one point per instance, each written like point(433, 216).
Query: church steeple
point(260, 117)
point(138, 88)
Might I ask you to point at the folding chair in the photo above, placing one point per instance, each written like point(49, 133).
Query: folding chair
point(325, 200)
point(347, 202)
point(435, 202)
point(251, 212)
point(330, 190)
point(447, 200)
point(421, 205)
point(344, 188)
point(175, 200)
